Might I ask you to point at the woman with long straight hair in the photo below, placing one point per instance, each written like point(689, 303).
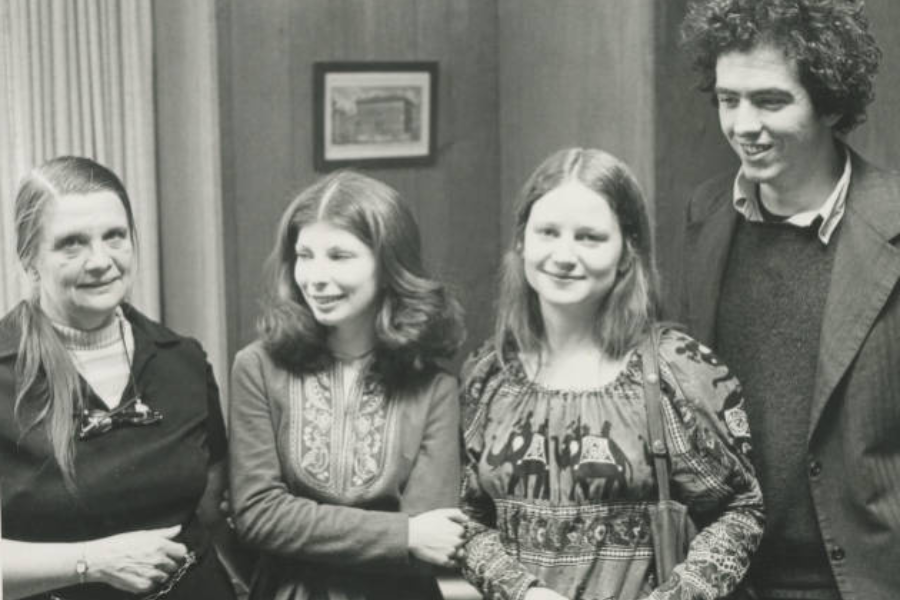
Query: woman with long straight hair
point(112, 442)
point(559, 473)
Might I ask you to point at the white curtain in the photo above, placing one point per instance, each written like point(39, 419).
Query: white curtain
point(76, 77)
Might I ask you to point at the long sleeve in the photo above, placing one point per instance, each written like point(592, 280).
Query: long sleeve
point(486, 564)
point(432, 482)
point(709, 442)
point(271, 518)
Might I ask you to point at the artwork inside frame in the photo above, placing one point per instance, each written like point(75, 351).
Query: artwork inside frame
point(377, 114)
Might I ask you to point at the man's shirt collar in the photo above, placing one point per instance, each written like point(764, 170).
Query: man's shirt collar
point(746, 202)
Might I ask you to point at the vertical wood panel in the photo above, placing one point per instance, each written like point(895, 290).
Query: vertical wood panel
point(574, 73)
point(690, 147)
point(259, 171)
point(272, 46)
point(879, 138)
point(189, 177)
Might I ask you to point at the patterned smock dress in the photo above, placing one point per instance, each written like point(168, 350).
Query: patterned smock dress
point(558, 482)
point(324, 479)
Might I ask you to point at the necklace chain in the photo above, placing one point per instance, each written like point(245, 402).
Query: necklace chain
point(352, 357)
point(127, 356)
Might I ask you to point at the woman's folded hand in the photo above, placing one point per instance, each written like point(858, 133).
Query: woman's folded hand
point(136, 561)
point(435, 536)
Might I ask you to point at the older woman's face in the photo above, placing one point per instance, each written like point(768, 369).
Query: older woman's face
point(84, 260)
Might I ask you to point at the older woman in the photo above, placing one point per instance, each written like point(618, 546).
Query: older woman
point(111, 436)
point(345, 431)
point(560, 480)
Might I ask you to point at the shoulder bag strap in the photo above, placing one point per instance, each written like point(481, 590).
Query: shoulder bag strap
point(653, 403)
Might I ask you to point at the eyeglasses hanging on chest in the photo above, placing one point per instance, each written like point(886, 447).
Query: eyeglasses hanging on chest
point(133, 413)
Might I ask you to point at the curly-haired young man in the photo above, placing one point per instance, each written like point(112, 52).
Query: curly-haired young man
point(791, 273)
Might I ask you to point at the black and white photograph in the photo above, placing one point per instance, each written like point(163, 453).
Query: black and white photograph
point(449, 300)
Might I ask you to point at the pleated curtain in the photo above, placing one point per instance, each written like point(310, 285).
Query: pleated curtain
point(76, 77)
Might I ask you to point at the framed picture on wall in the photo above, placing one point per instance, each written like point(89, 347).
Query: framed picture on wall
point(378, 114)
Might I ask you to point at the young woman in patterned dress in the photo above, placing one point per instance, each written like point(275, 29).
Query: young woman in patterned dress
point(558, 474)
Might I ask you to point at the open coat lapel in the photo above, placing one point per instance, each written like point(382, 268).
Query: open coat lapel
point(866, 269)
point(148, 336)
point(710, 227)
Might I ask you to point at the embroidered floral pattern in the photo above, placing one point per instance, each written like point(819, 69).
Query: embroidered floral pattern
point(339, 438)
point(547, 534)
point(315, 454)
point(368, 429)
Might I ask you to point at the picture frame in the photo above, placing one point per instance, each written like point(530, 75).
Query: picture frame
point(374, 114)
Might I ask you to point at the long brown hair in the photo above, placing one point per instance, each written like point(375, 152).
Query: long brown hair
point(629, 309)
point(418, 321)
point(48, 391)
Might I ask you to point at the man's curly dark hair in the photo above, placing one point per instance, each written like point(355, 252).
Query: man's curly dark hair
point(829, 40)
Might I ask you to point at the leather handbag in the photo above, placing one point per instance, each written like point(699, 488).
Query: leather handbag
point(671, 526)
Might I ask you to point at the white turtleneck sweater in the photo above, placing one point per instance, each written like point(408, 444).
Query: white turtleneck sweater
point(100, 356)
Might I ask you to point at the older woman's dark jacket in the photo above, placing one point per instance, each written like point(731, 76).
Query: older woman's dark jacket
point(130, 478)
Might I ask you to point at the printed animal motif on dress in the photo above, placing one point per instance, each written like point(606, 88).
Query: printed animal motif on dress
point(698, 353)
point(732, 412)
point(526, 450)
point(593, 458)
point(538, 530)
point(735, 418)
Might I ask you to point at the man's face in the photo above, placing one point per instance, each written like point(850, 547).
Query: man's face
point(769, 119)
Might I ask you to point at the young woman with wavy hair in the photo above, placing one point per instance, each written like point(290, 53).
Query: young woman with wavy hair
point(345, 431)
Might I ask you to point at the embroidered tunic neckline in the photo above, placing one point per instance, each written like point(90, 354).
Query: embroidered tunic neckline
point(340, 436)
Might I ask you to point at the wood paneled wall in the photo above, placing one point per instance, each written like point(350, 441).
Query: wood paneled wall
point(574, 73)
point(689, 144)
point(266, 53)
point(189, 177)
point(519, 79)
point(879, 138)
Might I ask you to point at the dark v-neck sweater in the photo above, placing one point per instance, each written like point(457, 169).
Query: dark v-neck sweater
point(768, 325)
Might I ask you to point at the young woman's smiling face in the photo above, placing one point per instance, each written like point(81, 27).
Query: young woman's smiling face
point(338, 276)
point(84, 259)
point(572, 247)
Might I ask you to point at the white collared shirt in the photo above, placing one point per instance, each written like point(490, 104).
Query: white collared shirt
point(746, 202)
